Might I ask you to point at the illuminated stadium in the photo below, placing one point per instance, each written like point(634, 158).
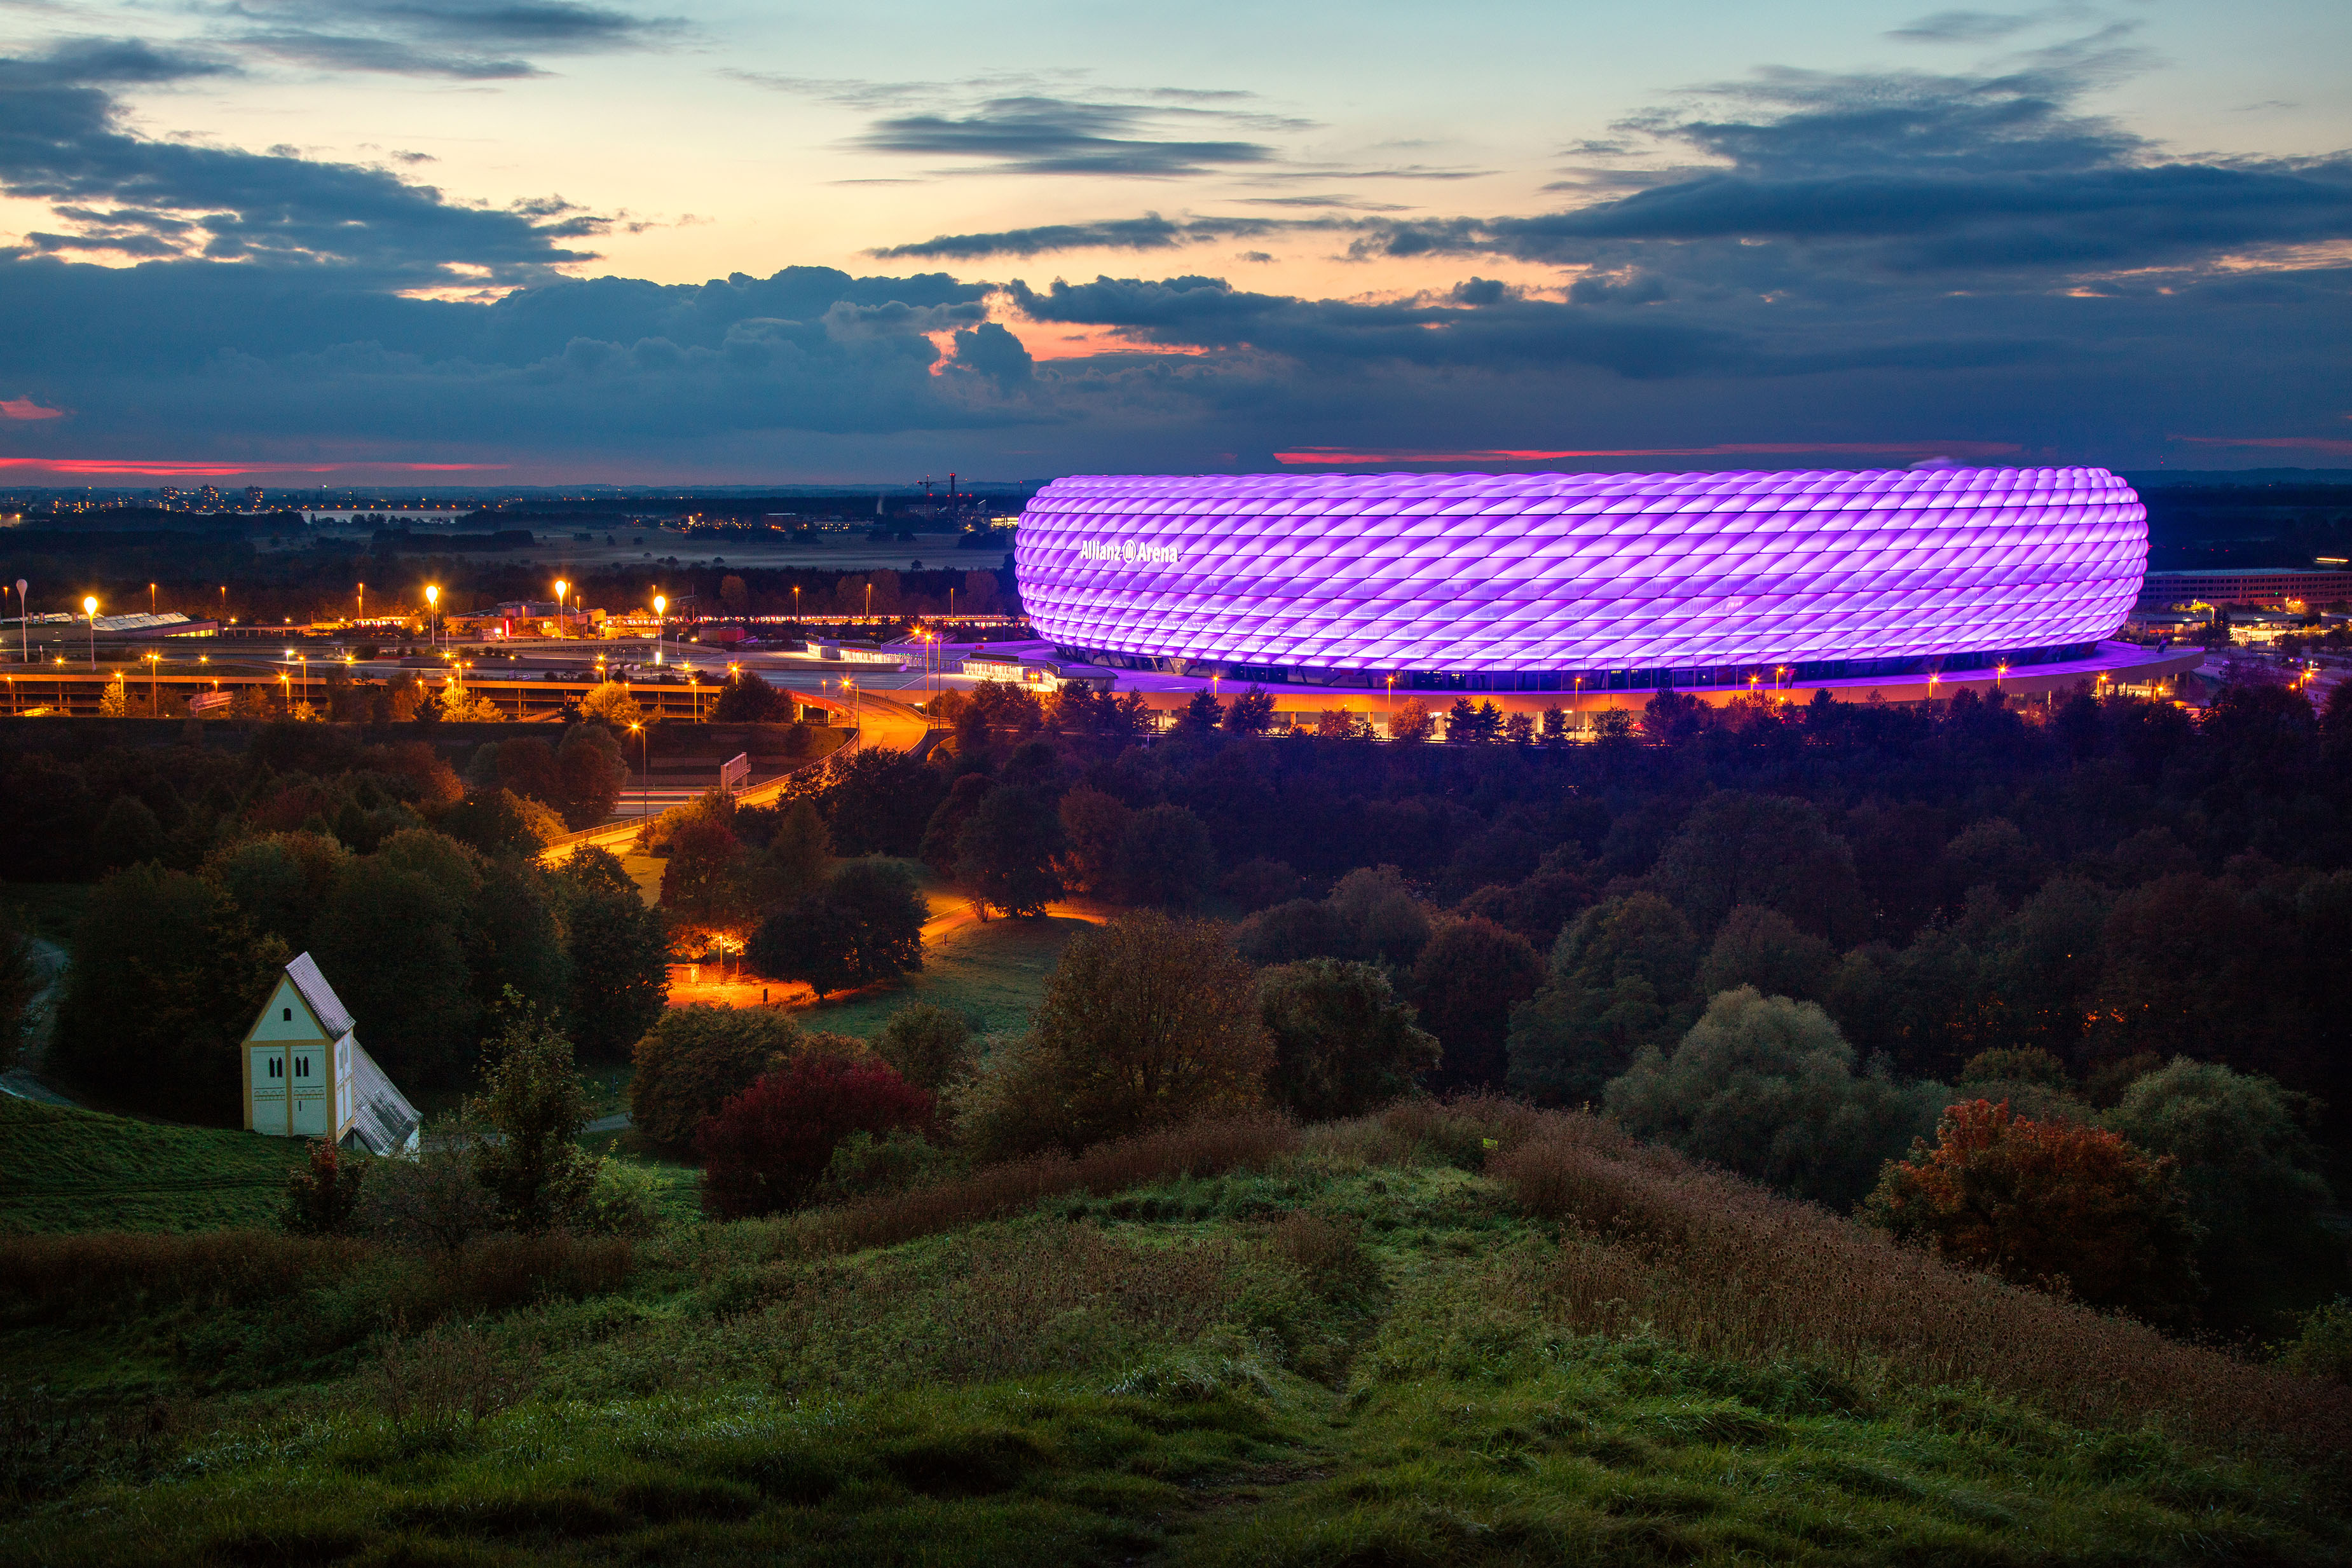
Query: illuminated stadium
point(1590, 582)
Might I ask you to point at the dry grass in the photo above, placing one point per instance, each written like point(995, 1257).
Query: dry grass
point(1196, 1149)
point(451, 1377)
point(45, 1276)
point(65, 1273)
point(1727, 1269)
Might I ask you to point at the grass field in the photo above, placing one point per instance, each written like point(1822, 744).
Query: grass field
point(1353, 1353)
point(995, 974)
point(64, 1169)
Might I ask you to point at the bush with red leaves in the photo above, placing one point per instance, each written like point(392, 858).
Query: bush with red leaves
point(767, 1148)
point(2048, 1204)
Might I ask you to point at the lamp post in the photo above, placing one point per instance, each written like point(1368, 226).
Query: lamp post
point(89, 608)
point(362, 614)
point(644, 767)
point(661, 606)
point(562, 588)
point(155, 685)
point(433, 614)
point(869, 599)
point(796, 603)
point(151, 598)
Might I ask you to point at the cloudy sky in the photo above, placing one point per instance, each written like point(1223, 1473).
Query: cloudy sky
point(540, 241)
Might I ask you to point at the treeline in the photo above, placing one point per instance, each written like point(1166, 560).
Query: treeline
point(417, 889)
point(2056, 905)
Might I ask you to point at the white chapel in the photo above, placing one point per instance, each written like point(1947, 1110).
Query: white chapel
point(307, 1075)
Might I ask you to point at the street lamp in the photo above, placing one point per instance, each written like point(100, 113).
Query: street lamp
point(89, 608)
point(562, 588)
point(433, 614)
point(644, 766)
point(661, 607)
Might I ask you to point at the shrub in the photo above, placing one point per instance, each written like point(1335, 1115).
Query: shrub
point(1765, 1086)
point(930, 1046)
point(767, 1148)
point(624, 1202)
point(1146, 1022)
point(451, 1377)
point(2055, 1205)
point(112, 1272)
point(435, 1202)
point(696, 1060)
point(533, 1103)
point(863, 1164)
point(2323, 1349)
point(322, 1196)
point(1343, 1044)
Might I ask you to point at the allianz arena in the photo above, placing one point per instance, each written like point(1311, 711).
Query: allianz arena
point(1541, 582)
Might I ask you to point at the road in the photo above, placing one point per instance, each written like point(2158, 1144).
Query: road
point(24, 1079)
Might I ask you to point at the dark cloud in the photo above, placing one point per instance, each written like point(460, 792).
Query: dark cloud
point(1041, 135)
point(1150, 232)
point(62, 142)
point(466, 39)
point(1966, 26)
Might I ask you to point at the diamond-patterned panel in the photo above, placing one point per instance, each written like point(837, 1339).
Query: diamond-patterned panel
point(1462, 572)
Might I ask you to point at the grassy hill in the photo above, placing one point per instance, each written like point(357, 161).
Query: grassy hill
point(65, 1169)
point(1471, 1337)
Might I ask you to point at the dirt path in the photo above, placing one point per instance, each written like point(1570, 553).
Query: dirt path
point(24, 1079)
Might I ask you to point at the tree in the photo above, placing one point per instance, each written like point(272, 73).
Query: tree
point(611, 705)
point(500, 822)
point(700, 885)
point(2250, 1172)
point(390, 939)
point(1005, 853)
point(590, 773)
point(280, 881)
point(1411, 721)
point(1622, 978)
point(1093, 823)
point(1343, 1044)
point(866, 926)
point(2051, 1205)
point(1555, 726)
point(1252, 713)
point(930, 1046)
point(618, 953)
point(1146, 1022)
point(167, 976)
point(877, 801)
point(1765, 1086)
point(1164, 859)
point(531, 1100)
point(1671, 717)
point(128, 833)
point(1466, 980)
point(940, 834)
point(1384, 922)
point(792, 864)
point(694, 1058)
point(1520, 728)
point(1296, 929)
point(767, 1149)
point(745, 698)
point(1773, 851)
point(1762, 948)
point(513, 941)
point(1200, 714)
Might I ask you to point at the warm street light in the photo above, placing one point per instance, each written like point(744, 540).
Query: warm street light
point(432, 613)
point(89, 608)
point(562, 588)
point(644, 766)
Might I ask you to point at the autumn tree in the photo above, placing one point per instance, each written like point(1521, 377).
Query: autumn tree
point(694, 1058)
point(1005, 852)
point(2057, 1206)
point(1466, 982)
point(863, 927)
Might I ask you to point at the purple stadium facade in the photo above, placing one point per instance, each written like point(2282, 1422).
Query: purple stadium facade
point(1550, 582)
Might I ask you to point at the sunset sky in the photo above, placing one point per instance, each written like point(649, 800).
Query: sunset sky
point(545, 242)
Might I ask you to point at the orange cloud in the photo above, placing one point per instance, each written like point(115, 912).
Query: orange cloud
point(1326, 456)
point(165, 469)
point(25, 408)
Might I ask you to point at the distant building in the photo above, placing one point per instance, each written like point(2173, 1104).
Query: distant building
point(253, 494)
point(307, 1075)
point(2262, 586)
